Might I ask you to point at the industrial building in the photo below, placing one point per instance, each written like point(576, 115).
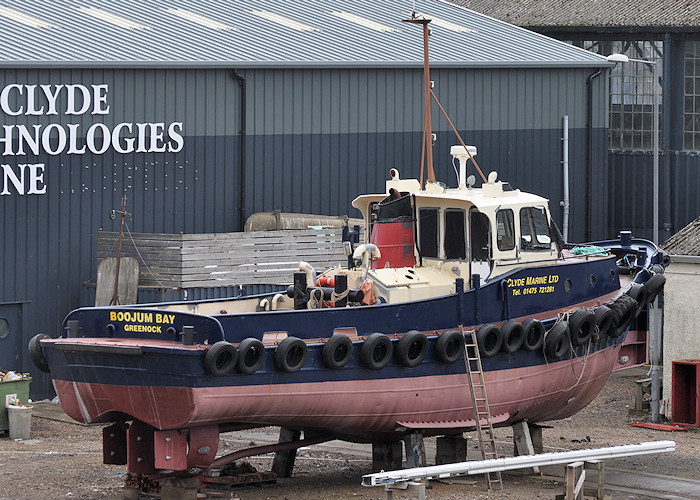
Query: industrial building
point(665, 34)
point(203, 113)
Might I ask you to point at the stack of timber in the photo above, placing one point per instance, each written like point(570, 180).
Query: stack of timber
point(225, 259)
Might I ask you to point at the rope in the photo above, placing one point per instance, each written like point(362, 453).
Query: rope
point(315, 299)
point(335, 297)
point(561, 317)
point(126, 225)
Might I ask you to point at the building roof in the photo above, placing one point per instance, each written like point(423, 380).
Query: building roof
point(686, 241)
point(265, 33)
point(656, 14)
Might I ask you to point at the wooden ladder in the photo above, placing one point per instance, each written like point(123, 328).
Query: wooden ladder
point(482, 413)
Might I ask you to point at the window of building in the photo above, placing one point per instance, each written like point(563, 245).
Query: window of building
point(428, 232)
point(631, 92)
point(455, 234)
point(505, 230)
point(691, 115)
point(534, 229)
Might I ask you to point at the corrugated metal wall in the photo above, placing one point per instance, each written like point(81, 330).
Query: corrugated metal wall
point(631, 192)
point(315, 140)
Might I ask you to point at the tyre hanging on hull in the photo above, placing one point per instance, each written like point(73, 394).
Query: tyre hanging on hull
point(512, 334)
point(557, 340)
point(581, 326)
point(376, 351)
point(489, 339)
point(639, 293)
point(251, 355)
point(412, 349)
point(290, 355)
point(654, 285)
point(604, 320)
point(624, 310)
point(221, 358)
point(533, 335)
point(449, 346)
point(36, 354)
point(337, 352)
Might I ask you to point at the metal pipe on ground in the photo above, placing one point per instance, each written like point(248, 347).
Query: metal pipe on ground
point(512, 463)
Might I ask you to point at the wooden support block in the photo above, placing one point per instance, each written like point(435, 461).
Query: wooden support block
point(415, 450)
point(179, 488)
point(522, 441)
point(643, 387)
point(386, 456)
point(283, 464)
point(411, 486)
point(450, 449)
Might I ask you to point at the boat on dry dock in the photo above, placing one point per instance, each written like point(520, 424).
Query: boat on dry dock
point(374, 350)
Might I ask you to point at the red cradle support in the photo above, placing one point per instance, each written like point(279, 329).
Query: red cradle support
point(114, 444)
point(140, 458)
point(170, 449)
point(146, 450)
point(204, 443)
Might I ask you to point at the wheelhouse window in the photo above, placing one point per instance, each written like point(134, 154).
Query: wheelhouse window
point(479, 233)
point(428, 232)
point(455, 234)
point(505, 229)
point(534, 229)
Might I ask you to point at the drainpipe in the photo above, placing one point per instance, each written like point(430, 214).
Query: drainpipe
point(589, 162)
point(565, 167)
point(242, 133)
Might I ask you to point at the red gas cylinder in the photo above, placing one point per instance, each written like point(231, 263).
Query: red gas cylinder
point(395, 242)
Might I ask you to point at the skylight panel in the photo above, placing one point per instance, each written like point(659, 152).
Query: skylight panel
point(283, 20)
point(207, 22)
point(449, 25)
point(111, 18)
point(363, 21)
point(26, 19)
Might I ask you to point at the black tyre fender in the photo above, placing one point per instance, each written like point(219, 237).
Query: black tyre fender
point(36, 354)
point(376, 351)
point(449, 346)
point(512, 333)
point(624, 309)
point(337, 352)
point(639, 293)
point(581, 326)
point(489, 338)
point(251, 355)
point(290, 355)
point(533, 334)
point(654, 285)
point(556, 341)
point(604, 320)
point(221, 358)
point(412, 349)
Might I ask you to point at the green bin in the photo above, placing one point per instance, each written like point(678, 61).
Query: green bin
point(18, 388)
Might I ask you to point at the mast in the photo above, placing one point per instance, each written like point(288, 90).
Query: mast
point(427, 125)
point(123, 213)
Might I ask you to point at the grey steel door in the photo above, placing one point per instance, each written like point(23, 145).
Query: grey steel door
point(10, 336)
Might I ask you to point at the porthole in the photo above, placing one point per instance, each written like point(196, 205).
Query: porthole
point(567, 286)
point(591, 280)
point(612, 274)
point(4, 328)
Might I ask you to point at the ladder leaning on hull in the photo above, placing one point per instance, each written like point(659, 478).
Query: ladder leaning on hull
point(482, 413)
